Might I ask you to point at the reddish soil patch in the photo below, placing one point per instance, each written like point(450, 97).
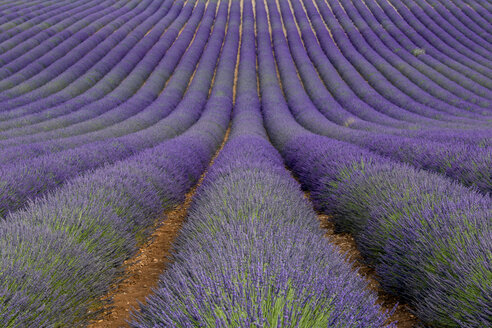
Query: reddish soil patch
point(143, 270)
point(346, 245)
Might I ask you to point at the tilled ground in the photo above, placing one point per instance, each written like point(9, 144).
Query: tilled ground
point(347, 246)
point(144, 269)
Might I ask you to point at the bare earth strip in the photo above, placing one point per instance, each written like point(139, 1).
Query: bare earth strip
point(144, 269)
point(347, 246)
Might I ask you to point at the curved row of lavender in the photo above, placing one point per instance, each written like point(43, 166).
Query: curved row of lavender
point(16, 12)
point(72, 55)
point(381, 76)
point(404, 45)
point(401, 45)
point(79, 236)
point(452, 12)
point(152, 109)
point(18, 32)
point(476, 55)
point(25, 47)
point(30, 178)
point(102, 60)
point(447, 22)
point(100, 81)
point(336, 106)
point(251, 253)
point(342, 93)
point(476, 12)
point(60, 50)
point(69, 129)
point(137, 113)
point(28, 13)
point(427, 237)
point(417, 86)
point(20, 17)
point(469, 164)
point(136, 91)
point(84, 85)
point(433, 47)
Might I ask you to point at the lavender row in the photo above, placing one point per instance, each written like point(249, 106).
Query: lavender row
point(17, 31)
point(449, 9)
point(111, 71)
point(468, 164)
point(341, 92)
point(333, 110)
point(20, 12)
point(251, 252)
point(425, 235)
point(115, 120)
point(483, 7)
point(459, 31)
point(111, 29)
point(418, 87)
point(400, 45)
point(20, 18)
point(134, 79)
point(28, 84)
point(401, 103)
point(152, 111)
point(10, 5)
point(433, 46)
point(367, 98)
point(439, 61)
point(7, 7)
point(383, 59)
point(87, 255)
point(37, 45)
point(80, 252)
point(16, 14)
point(441, 37)
point(353, 107)
point(449, 35)
point(30, 179)
point(475, 12)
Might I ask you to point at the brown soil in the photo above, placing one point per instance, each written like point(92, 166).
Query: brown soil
point(347, 246)
point(144, 269)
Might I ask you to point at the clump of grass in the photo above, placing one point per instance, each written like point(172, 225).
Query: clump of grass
point(418, 51)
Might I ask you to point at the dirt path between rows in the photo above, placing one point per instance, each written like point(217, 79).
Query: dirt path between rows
point(347, 246)
point(144, 269)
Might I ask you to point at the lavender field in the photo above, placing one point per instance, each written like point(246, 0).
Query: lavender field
point(245, 163)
